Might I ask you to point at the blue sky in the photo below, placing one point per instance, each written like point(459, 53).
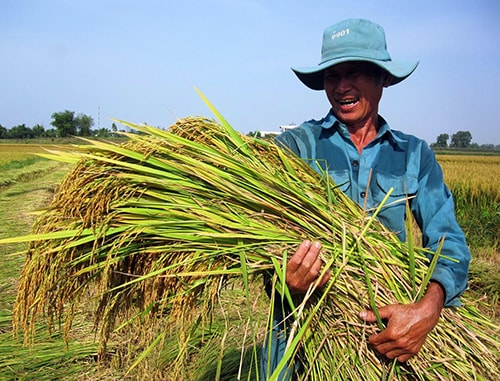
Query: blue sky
point(140, 61)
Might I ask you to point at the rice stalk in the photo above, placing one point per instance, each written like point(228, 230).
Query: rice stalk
point(154, 228)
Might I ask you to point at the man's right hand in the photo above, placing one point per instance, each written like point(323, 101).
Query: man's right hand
point(304, 268)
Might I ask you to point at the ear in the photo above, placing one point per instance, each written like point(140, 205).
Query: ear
point(387, 79)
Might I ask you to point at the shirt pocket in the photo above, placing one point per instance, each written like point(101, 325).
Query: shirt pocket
point(402, 186)
point(393, 213)
point(342, 179)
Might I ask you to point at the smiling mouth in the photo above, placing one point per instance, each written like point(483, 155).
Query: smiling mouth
point(347, 102)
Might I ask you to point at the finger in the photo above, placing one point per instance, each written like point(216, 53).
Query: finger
point(382, 346)
point(405, 357)
point(383, 338)
point(310, 261)
point(368, 316)
point(399, 354)
point(307, 275)
point(385, 313)
point(311, 264)
point(397, 349)
point(296, 260)
point(307, 254)
point(324, 279)
point(314, 270)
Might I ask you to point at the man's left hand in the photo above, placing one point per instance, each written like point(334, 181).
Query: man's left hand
point(407, 324)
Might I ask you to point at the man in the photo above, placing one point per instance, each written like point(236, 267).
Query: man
point(359, 150)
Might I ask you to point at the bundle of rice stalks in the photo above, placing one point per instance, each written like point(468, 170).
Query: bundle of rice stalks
point(155, 227)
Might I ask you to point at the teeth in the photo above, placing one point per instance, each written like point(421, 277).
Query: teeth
point(347, 101)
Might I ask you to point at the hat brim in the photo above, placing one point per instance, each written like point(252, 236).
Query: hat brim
point(312, 77)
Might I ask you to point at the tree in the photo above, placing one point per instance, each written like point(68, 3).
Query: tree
point(461, 139)
point(84, 124)
point(103, 133)
point(64, 122)
point(38, 131)
point(442, 141)
point(487, 147)
point(51, 133)
point(20, 132)
point(3, 132)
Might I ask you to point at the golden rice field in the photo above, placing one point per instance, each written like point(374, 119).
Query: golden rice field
point(10, 152)
point(18, 152)
point(20, 162)
point(475, 183)
point(472, 176)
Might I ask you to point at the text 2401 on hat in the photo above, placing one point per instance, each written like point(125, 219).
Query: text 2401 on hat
point(354, 40)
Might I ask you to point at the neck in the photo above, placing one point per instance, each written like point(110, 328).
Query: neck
point(363, 134)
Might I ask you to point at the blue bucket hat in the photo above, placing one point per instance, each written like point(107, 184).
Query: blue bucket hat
point(354, 40)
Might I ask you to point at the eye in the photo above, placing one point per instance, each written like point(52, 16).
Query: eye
point(330, 76)
point(354, 74)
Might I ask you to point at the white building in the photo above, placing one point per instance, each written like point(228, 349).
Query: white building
point(288, 127)
point(281, 129)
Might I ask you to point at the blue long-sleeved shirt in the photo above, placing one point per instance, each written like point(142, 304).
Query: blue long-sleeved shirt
point(392, 160)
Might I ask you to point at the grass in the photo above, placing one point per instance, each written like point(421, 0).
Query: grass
point(35, 182)
point(19, 163)
point(30, 192)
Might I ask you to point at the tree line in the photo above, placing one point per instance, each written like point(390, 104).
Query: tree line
point(66, 124)
point(461, 140)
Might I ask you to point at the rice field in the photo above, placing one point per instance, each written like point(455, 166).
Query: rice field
point(474, 181)
point(19, 152)
point(19, 162)
point(474, 178)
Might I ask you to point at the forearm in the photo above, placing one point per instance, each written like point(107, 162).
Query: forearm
point(434, 298)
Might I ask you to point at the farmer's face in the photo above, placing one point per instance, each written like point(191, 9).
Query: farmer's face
point(354, 90)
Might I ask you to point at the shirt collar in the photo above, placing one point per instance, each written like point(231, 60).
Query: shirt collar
point(384, 131)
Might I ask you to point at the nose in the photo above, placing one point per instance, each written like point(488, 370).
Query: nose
point(343, 83)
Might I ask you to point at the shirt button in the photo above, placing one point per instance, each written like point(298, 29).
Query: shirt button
point(362, 194)
point(355, 163)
